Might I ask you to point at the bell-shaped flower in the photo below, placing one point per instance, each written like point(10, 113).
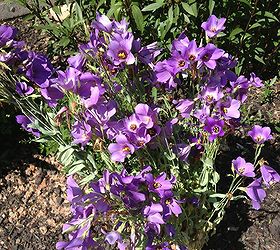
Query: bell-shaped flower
point(269, 175)
point(243, 168)
point(260, 134)
point(214, 127)
point(213, 26)
point(256, 193)
point(119, 49)
point(121, 149)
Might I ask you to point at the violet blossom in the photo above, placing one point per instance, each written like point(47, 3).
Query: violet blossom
point(213, 26)
point(121, 149)
point(269, 175)
point(243, 168)
point(23, 89)
point(120, 49)
point(260, 134)
point(256, 193)
point(81, 132)
point(214, 127)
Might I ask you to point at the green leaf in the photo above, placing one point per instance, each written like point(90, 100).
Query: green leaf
point(235, 32)
point(76, 167)
point(217, 196)
point(170, 14)
point(64, 41)
point(154, 93)
point(191, 9)
point(138, 17)
point(114, 9)
point(211, 6)
point(204, 178)
point(259, 59)
point(271, 16)
point(255, 25)
point(246, 2)
point(65, 153)
point(153, 6)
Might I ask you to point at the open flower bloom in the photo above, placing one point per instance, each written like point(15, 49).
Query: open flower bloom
point(170, 205)
point(214, 127)
point(243, 168)
point(230, 108)
point(260, 134)
point(213, 26)
point(121, 149)
point(159, 184)
point(120, 49)
point(269, 175)
point(256, 193)
point(255, 81)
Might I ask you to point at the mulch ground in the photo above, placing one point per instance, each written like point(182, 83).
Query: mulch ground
point(32, 204)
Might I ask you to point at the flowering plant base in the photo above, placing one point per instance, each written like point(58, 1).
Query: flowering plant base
point(142, 134)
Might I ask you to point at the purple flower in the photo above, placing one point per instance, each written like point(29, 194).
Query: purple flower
point(140, 138)
point(102, 23)
point(159, 184)
point(23, 89)
point(243, 168)
point(185, 107)
point(146, 115)
point(148, 53)
point(77, 61)
point(209, 55)
point(69, 79)
point(120, 149)
point(230, 108)
point(260, 134)
point(52, 94)
point(192, 52)
point(202, 114)
point(170, 205)
point(74, 192)
point(101, 114)
point(154, 217)
point(256, 193)
point(113, 237)
point(132, 123)
point(25, 123)
point(214, 127)
point(269, 175)
point(213, 26)
point(90, 89)
point(211, 95)
point(182, 150)
point(255, 81)
point(7, 33)
point(81, 133)
point(120, 49)
point(39, 70)
point(165, 73)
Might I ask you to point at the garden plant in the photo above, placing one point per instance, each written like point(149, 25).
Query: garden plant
point(139, 128)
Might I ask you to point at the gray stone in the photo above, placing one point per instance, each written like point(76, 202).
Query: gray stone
point(11, 10)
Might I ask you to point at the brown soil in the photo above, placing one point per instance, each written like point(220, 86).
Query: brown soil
point(32, 204)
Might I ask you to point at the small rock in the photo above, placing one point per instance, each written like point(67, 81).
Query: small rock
point(43, 230)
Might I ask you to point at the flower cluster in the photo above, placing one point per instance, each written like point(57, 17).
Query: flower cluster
point(133, 132)
point(104, 215)
point(115, 93)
